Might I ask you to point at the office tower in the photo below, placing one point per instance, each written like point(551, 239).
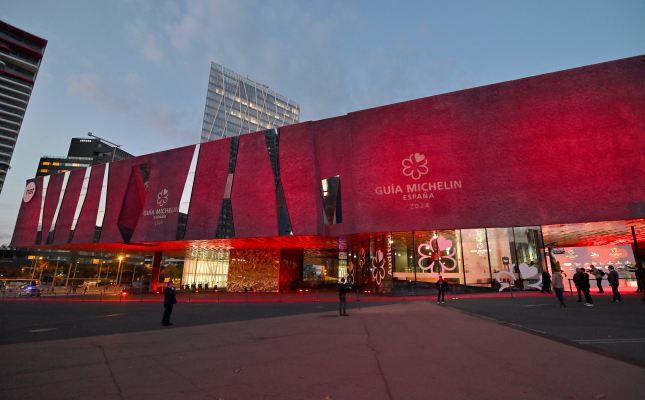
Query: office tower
point(82, 153)
point(236, 105)
point(20, 57)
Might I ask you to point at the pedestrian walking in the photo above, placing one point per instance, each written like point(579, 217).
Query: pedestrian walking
point(343, 288)
point(585, 286)
point(546, 282)
point(639, 277)
point(613, 282)
point(598, 274)
point(576, 281)
point(558, 286)
point(169, 300)
point(441, 287)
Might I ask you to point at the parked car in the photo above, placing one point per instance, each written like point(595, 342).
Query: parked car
point(138, 287)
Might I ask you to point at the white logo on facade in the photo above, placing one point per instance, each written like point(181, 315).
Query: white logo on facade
point(415, 166)
point(526, 272)
point(30, 191)
point(378, 267)
point(162, 197)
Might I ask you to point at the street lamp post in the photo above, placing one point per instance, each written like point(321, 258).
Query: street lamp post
point(33, 266)
point(54, 277)
point(119, 272)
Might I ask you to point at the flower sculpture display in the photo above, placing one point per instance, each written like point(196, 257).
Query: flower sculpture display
point(361, 258)
point(415, 166)
point(436, 246)
point(350, 273)
point(526, 272)
point(378, 267)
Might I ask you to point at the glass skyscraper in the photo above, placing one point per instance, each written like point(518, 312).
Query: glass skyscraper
point(236, 105)
point(20, 57)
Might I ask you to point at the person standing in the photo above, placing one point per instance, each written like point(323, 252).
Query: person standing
point(546, 282)
point(558, 286)
point(169, 300)
point(343, 288)
point(585, 286)
point(598, 273)
point(576, 281)
point(441, 286)
point(639, 278)
point(613, 282)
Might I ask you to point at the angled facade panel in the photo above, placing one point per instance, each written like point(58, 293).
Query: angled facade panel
point(299, 178)
point(86, 225)
point(51, 204)
point(208, 191)
point(158, 220)
point(24, 233)
point(253, 194)
point(68, 207)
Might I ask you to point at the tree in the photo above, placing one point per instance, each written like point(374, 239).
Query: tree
point(171, 271)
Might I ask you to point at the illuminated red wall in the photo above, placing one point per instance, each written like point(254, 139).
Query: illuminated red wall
point(564, 147)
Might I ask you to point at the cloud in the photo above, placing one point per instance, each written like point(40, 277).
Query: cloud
point(139, 34)
point(126, 96)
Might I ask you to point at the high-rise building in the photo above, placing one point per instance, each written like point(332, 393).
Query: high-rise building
point(20, 57)
point(82, 153)
point(236, 105)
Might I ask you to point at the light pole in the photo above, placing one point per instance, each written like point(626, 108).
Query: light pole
point(33, 266)
point(118, 274)
point(54, 277)
point(116, 146)
point(106, 276)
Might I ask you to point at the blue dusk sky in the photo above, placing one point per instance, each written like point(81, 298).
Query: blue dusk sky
point(135, 71)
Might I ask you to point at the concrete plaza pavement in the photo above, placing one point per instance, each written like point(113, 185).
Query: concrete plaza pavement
point(403, 350)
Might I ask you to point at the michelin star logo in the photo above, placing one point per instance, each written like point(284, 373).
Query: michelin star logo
point(162, 197)
point(415, 166)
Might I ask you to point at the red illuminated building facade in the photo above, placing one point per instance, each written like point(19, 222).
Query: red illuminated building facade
point(466, 184)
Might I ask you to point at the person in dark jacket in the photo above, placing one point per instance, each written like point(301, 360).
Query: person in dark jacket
point(343, 288)
point(546, 282)
point(584, 284)
point(576, 281)
point(639, 277)
point(613, 282)
point(169, 300)
point(441, 287)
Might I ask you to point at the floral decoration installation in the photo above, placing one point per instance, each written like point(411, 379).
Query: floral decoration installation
point(378, 267)
point(415, 166)
point(526, 272)
point(350, 273)
point(442, 244)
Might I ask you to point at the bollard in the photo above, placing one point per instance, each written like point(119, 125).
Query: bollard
point(83, 295)
point(316, 295)
point(67, 297)
point(454, 294)
point(120, 297)
point(54, 296)
point(511, 290)
point(100, 297)
point(403, 293)
point(357, 299)
point(217, 295)
point(142, 295)
point(247, 296)
point(279, 295)
point(189, 293)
